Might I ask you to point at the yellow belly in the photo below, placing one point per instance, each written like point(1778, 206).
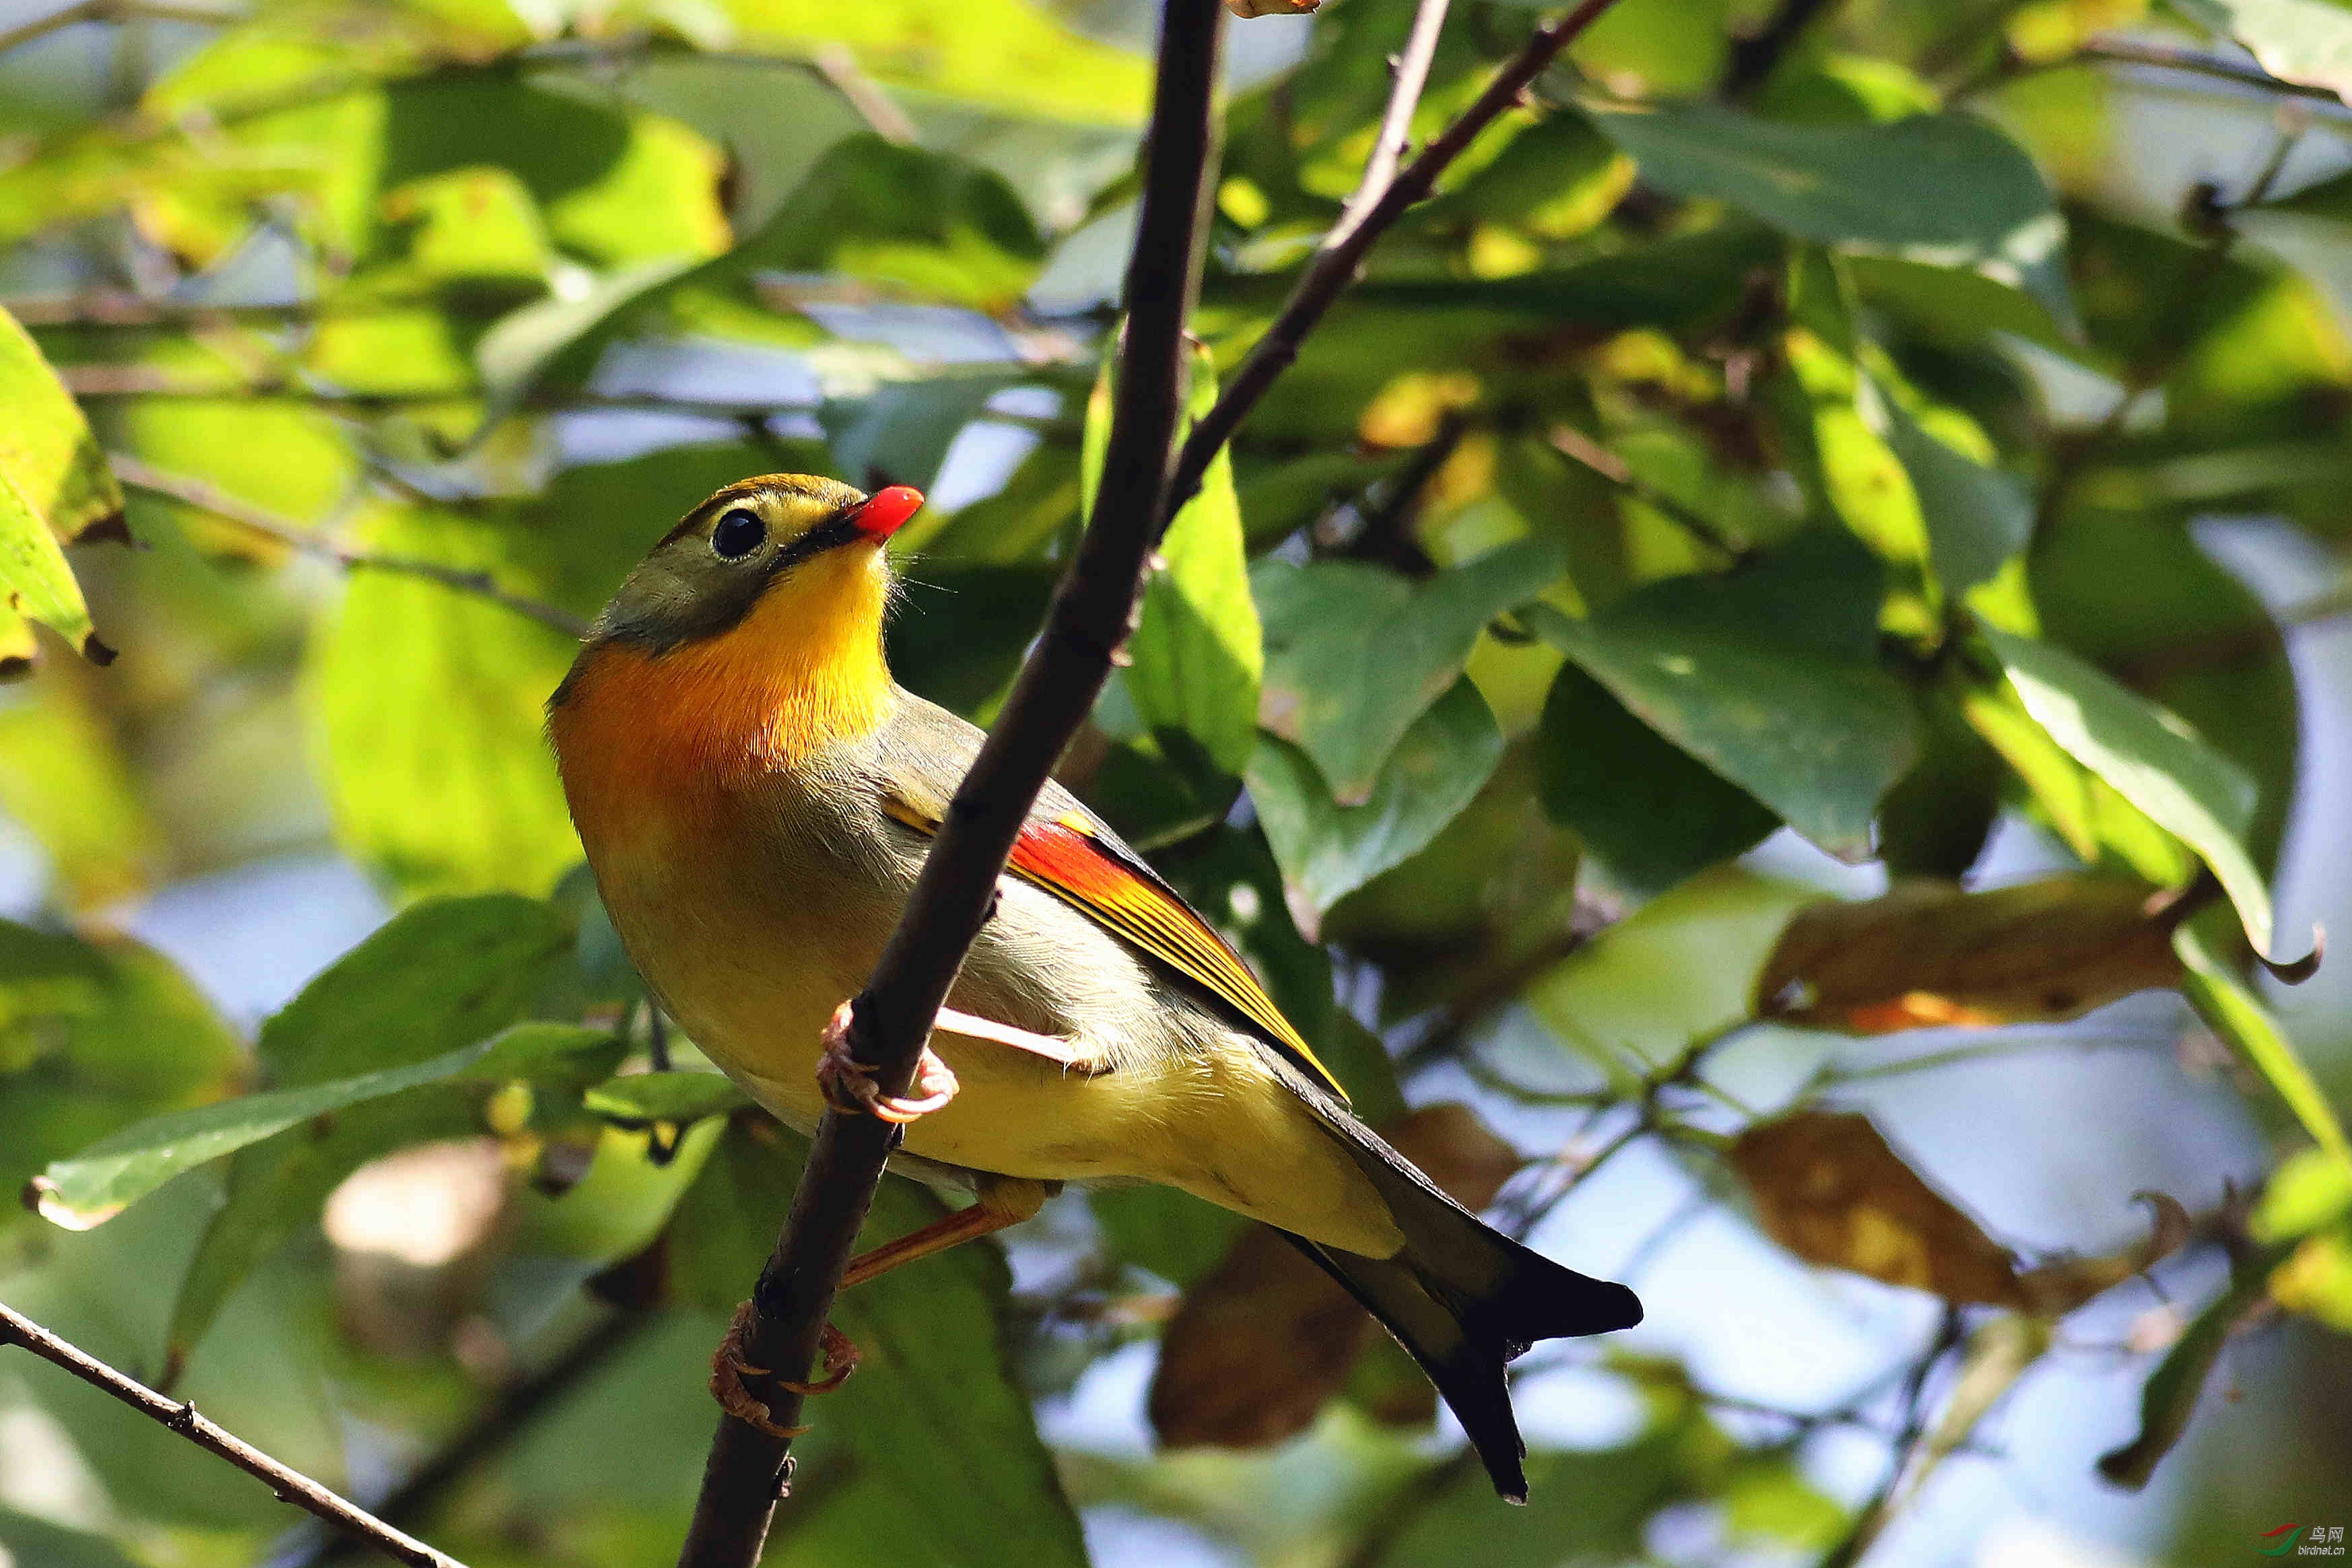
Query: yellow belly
point(753, 979)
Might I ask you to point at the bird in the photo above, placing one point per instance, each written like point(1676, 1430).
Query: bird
point(755, 795)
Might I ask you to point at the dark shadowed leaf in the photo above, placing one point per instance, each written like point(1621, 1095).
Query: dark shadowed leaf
point(1766, 674)
point(1646, 810)
point(1977, 517)
point(2168, 1399)
point(1327, 850)
point(1940, 188)
point(1355, 654)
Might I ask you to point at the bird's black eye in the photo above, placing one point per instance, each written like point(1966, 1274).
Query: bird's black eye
point(739, 533)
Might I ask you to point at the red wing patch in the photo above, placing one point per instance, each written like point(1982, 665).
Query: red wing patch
point(1069, 860)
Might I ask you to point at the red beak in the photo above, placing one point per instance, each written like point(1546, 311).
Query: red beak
point(887, 511)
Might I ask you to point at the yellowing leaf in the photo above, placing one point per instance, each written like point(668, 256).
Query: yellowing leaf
point(1929, 954)
point(55, 490)
point(1827, 1187)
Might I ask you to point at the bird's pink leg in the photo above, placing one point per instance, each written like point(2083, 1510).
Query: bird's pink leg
point(847, 1083)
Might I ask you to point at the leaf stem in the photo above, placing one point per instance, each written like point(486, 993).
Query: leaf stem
point(290, 1485)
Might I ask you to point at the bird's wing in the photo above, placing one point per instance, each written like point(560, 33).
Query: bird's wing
point(1071, 854)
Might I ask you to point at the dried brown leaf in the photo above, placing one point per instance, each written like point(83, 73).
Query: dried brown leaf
point(1827, 1187)
point(1928, 953)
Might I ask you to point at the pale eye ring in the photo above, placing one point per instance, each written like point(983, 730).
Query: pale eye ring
point(739, 533)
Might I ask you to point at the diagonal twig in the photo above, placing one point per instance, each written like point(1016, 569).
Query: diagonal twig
point(292, 1486)
point(1335, 264)
point(1089, 622)
point(265, 525)
point(1396, 122)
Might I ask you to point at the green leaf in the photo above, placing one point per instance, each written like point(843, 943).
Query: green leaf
point(431, 706)
point(1938, 188)
point(965, 626)
point(674, 1097)
point(93, 1036)
point(1328, 851)
point(116, 1171)
point(899, 433)
point(2238, 1016)
point(1013, 58)
point(525, 347)
point(1977, 516)
point(55, 488)
point(1647, 810)
point(935, 1388)
point(32, 1540)
point(441, 976)
point(1355, 654)
point(1680, 969)
point(1581, 1508)
point(1766, 674)
point(2152, 760)
point(2304, 41)
point(1198, 653)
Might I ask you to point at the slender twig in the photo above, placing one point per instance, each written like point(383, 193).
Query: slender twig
point(113, 11)
point(290, 1485)
point(2197, 62)
point(1389, 143)
point(2075, 458)
point(262, 524)
point(1336, 266)
point(514, 1408)
point(1879, 1511)
point(1088, 623)
point(863, 93)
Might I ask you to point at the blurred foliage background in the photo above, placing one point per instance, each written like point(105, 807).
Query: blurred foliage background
point(1747, 690)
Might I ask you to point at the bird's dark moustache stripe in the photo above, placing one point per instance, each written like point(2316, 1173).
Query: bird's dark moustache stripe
point(837, 530)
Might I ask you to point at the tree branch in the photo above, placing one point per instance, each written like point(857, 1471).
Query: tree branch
point(1389, 143)
point(263, 525)
point(114, 11)
point(1087, 622)
point(1341, 255)
point(290, 1485)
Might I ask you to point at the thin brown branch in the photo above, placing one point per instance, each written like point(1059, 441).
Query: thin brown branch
point(1337, 264)
point(112, 11)
point(265, 525)
point(290, 1485)
point(1879, 1512)
point(1089, 622)
point(1389, 143)
point(863, 93)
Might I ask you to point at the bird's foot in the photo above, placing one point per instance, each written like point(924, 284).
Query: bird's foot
point(728, 1368)
point(847, 1083)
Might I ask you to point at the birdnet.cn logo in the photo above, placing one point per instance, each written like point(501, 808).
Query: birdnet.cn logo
point(2304, 1541)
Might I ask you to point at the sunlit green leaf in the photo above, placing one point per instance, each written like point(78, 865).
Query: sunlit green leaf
point(55, 488)
point(2238, 1016)
point(2151, 758)
point(2306, 41)
point(1198, 654)
point(431, 703)
point(680, 1097)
